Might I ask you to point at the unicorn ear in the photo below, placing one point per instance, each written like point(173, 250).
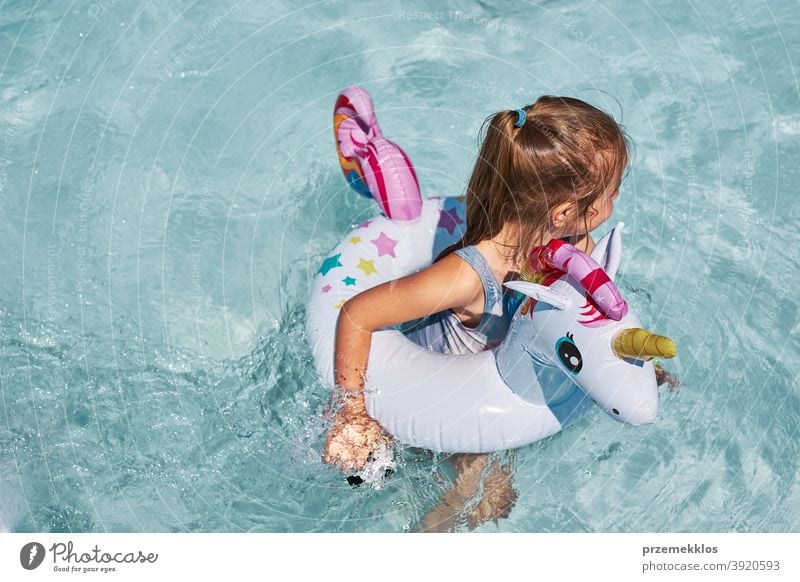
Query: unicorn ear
point(540, 293)
point(608, 250)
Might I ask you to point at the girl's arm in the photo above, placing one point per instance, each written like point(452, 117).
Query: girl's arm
point(450, 283)
point(447, 284)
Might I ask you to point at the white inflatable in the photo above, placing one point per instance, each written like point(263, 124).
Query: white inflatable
point(555, 361)
point(572, 341)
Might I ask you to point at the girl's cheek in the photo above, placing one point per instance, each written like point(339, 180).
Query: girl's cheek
point(609, 209)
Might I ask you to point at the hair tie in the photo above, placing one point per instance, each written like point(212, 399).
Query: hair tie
point(520, 118)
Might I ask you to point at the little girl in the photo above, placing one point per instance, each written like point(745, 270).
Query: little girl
point(549, 170)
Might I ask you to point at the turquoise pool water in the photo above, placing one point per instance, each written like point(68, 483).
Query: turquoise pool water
point(169, 187)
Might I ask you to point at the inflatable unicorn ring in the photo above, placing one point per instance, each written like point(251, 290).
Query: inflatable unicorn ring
point(573, 342)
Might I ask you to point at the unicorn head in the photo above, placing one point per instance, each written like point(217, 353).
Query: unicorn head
point(581, 341)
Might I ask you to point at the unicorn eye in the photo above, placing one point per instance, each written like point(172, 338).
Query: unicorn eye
point(569, 354)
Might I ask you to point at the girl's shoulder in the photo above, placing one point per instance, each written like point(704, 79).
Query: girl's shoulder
point(454, 268)
point(455, 277)
point(583, 242)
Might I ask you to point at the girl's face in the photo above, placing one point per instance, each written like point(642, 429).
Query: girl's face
point(600, 211)
point(596, 215)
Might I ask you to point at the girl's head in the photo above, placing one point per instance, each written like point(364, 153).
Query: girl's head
point(554, 175)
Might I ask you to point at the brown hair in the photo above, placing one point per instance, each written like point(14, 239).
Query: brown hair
point(566, 151)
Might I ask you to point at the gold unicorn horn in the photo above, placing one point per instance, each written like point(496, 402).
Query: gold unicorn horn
point(641, 344)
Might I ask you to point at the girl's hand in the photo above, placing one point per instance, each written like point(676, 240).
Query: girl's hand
point(353, 436)
point(663, 376)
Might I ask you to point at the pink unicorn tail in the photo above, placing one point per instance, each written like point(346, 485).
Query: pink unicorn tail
point(373, 165)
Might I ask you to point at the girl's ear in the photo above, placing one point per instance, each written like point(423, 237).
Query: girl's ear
point(562, 215)
point(540, 293)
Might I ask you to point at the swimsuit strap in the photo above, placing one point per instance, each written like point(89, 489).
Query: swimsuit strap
point(493, 293)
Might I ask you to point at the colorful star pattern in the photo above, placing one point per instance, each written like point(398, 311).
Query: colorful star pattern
point(385, 245)
point(449, 219)
point(367, 266)
point(330, 263)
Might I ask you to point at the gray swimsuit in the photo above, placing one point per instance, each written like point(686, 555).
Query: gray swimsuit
point(444, 332)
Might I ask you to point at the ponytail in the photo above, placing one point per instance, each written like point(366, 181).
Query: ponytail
point(562, 150)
